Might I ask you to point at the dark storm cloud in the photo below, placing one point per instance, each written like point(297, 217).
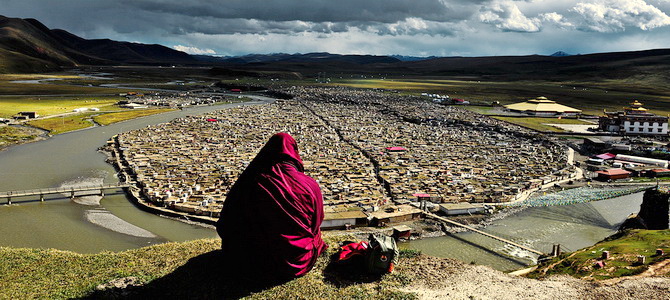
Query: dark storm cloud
point(92, 18)
point(409, 27)
point(392, 17)
point(383, 11)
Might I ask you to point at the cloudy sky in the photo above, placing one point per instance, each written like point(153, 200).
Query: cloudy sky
point(406, 27)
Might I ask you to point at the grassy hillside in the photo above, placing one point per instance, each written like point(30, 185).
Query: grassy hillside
point(13, 62)
point(194, 270)
point(27, 46)
point(176, 270)
point(623, 257)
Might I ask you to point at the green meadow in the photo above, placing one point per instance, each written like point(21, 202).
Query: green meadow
point(63, 124)
point(53, 105)
point(114, 117)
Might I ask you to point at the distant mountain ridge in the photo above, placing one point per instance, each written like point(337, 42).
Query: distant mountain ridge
point(412, 58)
point(560, 54)
point(26, 45)
point(299, 57)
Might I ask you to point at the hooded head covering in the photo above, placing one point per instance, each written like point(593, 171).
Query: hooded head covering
point(270, 221)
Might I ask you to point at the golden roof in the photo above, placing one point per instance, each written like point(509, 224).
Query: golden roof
point(541, 104)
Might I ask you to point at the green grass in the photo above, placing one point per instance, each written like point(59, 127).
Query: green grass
point(540, 124)
point(623, 256)
point(12, 135)
point(180, 270)
point(110, 118)
point(51, 105)
point(484, 110)
point(650, 179)
point(57, 125)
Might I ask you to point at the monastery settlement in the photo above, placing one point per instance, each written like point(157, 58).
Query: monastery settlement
point(372, 153)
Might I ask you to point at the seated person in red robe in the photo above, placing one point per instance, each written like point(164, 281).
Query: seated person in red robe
point(270, 221)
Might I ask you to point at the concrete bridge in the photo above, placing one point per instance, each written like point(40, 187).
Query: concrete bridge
point(96, 189)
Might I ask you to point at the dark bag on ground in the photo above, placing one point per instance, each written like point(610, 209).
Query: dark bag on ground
point(382, 255)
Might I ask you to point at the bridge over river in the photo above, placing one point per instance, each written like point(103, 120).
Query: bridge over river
point(71, 191)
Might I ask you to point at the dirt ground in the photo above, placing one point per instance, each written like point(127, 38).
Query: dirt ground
point(436, 278)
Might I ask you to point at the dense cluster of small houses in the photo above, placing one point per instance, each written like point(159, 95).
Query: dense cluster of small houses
point(136, 100)
point(372, 152)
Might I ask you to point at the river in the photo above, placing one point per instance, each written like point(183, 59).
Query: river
point(87, 224)
point(572, 226)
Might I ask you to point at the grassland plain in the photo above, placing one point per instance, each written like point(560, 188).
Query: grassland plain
point(194, 270)
point(56, 94)
point(53, 105)
point(57, 125)
point(591, 97)
point(541, 124)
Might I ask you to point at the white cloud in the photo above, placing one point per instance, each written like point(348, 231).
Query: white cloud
point(555, 18)
point(618, 15)
point(507, 16)
point(415, 26)
point(194, 50)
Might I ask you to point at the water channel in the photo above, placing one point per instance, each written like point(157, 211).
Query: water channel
point(91, 225)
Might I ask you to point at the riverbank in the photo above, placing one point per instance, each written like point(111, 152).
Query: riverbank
point(193, 270)
point(43, 128)
point(17, 135)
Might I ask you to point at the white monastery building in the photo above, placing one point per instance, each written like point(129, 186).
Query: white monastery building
point(634, 120)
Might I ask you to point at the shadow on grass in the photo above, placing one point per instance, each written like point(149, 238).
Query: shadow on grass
point(207, 276)
point(346, 273)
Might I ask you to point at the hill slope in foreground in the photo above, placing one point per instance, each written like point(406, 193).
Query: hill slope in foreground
point(193, 270)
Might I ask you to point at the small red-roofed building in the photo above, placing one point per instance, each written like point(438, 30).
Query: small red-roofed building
point(613, 174)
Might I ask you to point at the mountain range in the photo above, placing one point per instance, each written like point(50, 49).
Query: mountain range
point(26, 45)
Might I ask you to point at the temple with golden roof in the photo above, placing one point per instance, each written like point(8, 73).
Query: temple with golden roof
point(541, 106)
point(634, 120)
